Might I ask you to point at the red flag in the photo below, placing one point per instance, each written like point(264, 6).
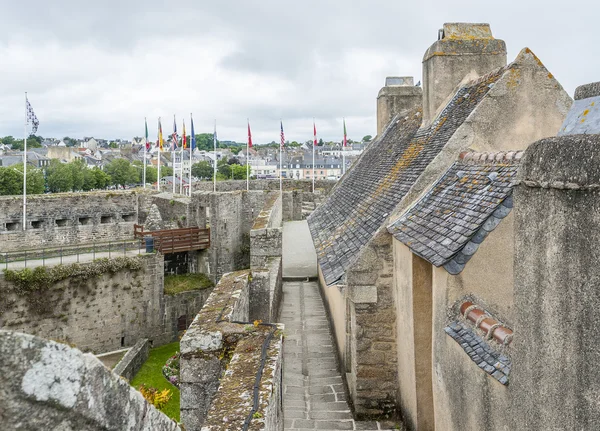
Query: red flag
point(249, 136)
point(315, 130)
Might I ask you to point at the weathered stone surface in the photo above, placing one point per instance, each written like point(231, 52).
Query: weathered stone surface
point(133, 360)
point(556, 279)
point(154, 220)
point(53, 386)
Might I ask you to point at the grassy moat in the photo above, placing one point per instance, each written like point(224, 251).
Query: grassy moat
point(151, 375)
point(186, 282)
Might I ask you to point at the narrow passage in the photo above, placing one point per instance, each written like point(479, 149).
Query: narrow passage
point(314, 395)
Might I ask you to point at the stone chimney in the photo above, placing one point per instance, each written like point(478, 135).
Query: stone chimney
point(461, 49)
point(398, 95)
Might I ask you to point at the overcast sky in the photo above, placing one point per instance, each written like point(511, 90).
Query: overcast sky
point(98, 68)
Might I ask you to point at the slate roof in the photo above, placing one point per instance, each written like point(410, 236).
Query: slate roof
point(382, 176)
point(447, 225)
point(485, 356)
point(584, 115)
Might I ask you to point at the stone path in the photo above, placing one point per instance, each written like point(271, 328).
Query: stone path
point(299, 256)
point(314, 395)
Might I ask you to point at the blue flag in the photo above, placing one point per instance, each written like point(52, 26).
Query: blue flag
point(193, 134)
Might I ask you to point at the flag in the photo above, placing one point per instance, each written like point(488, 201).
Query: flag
point(249, 136)
point(345, 140)
point(160, 136)
point(183, 139)
point(315, 134)
point(193, 134)
point(174, 136)
point(147, 141)
point(282, 136)
point(31, 117)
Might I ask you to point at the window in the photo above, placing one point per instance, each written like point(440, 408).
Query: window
point(13, 226)
point(128, 217)
point(61, 222)
point(36, 224)
point(321, 172)
point(105, 219)
point(84, 220)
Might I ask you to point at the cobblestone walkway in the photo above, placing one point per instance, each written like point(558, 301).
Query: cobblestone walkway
point(314, 396)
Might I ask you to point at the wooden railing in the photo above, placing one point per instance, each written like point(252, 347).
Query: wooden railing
point(176, 240)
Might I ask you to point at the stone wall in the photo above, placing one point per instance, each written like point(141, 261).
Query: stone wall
point(100, 313)
point(133, 360)
point(63, 219)
point(51, 386)
point(555, 382)
point(216, 341)
point(228, 186)
point(371, 355)
point(266, 233)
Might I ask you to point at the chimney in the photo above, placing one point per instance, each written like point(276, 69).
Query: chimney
point(398, 95)
point(461, 48)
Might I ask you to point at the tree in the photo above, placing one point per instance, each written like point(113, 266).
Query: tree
point(122, 172)
point(11, 180)
point(321, 143)
point(224, 168)
point(204, 141)
point(32, 142)
point(202, 170)
point(233, 161)
point(77, 167)
point(101, 178)
point(59, 177)
point(8, 141)
point(367, 138)
point(239, 172)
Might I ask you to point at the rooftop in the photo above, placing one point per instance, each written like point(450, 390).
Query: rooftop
point(447, 225)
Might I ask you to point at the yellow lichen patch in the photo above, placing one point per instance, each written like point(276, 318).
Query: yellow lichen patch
point(582, 120)
point(550, 76)
point(514, 78)
point(587, 111)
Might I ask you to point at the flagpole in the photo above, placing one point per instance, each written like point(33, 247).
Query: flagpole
point(281, 163)
point(313, 154)
point(145, 149)
point(190, 175)
point(174, 171)
point(215, 164)
point(344, 150)
point(248, 158)
point(25, 170)
point(159, 142)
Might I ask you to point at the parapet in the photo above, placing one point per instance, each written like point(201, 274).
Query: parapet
point(465, 38)
point(403, 81)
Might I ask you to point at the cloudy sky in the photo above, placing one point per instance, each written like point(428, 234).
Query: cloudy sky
point(98, 68)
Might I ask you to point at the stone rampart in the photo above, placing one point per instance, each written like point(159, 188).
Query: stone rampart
point(62, 219)
point(222, 337)
point(288, 185)
point(266, 233)
point(51, 386)
point(99, 306)
point(133, 360)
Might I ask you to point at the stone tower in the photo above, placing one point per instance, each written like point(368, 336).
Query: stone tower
point(461, 49)
point(398, 95)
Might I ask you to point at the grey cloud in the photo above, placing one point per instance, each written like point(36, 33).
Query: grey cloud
point(99, 68)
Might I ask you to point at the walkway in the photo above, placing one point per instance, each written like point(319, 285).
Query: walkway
point(68, 259)
point(314, 393)
point(299, 256)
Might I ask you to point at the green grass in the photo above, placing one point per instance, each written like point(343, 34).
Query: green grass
point(151, 375)
point(186, 282)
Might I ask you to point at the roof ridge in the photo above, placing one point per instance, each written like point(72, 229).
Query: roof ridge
point(475, 157)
